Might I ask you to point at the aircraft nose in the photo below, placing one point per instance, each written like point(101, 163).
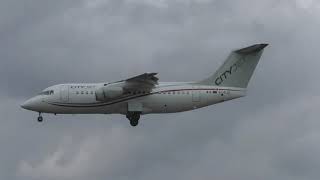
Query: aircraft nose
point(29, 104)
point(26, 105)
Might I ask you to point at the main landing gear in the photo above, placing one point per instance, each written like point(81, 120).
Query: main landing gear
point(133, 118)
point(40, 118)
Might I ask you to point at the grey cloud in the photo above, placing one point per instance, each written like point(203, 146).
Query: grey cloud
point(270, 134)
point(258, 147)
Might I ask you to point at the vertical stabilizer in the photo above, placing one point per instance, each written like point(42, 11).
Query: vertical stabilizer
point(237, 70)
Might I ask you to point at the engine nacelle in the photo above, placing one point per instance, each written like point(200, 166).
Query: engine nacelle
point(108, 93)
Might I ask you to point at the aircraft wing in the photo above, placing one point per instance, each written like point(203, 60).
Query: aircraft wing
point(143, 81)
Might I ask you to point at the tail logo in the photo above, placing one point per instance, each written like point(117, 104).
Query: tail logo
point(232, 69)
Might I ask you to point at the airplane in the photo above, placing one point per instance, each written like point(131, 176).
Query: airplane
point(143, 94)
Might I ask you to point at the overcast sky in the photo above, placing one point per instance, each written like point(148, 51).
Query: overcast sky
point(273, 133)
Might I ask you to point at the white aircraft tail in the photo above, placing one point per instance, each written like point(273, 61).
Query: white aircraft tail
point(237, 70)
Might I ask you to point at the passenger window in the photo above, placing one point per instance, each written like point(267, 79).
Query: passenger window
point(87, 92)
point(81, 92)
point(77, 92)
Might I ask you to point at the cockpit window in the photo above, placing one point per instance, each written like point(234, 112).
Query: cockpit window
point(49, 92)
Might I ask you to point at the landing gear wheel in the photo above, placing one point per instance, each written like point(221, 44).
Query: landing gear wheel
point(134, 123)
point(40, 119)
point(133, 118)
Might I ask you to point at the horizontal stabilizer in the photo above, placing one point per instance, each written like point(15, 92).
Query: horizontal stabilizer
point(252, 49)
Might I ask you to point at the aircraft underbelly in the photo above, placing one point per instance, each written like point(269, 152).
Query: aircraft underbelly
point(169, 104)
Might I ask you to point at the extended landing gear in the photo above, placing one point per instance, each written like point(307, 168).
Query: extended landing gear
point(133, 118)
point(40, 118)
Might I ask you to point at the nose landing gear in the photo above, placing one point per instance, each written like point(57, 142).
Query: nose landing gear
point(40, 118)
point(133, 118)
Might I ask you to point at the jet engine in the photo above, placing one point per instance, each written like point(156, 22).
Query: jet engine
point(108, 93)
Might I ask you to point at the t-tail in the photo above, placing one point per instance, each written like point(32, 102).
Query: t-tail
point(237, 70)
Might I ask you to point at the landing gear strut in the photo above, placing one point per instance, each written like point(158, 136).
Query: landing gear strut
point(133, 118)
point(40, 118)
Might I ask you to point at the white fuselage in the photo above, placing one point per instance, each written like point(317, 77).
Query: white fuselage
point(164, 98)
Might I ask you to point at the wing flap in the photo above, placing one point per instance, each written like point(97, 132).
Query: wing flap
point(143, 81)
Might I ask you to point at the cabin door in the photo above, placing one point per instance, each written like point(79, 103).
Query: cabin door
point(195, 94)
point(64, 93)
